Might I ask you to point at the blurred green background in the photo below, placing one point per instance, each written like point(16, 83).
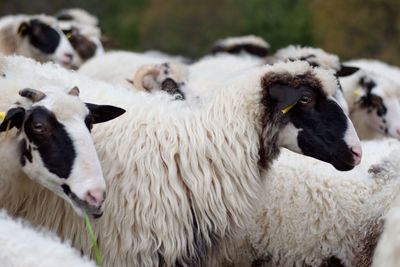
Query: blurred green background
point(350, 28)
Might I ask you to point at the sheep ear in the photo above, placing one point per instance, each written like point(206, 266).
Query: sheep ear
point(23, 29)
point(103, 113)
point(74, 91)
point(285, 96)
point(346, 71)
point(32, 94)
point(14, 118)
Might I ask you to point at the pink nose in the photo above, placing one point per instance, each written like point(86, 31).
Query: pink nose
point(95, 197)
point(68, 57)
point(357, 154)
point(398, 132)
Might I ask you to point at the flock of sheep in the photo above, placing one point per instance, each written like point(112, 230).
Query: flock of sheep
point(240, 158)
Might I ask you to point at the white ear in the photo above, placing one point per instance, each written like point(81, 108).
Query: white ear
point(145, 70)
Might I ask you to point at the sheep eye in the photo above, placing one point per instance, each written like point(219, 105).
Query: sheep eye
point(38, 127)
point(305, 99)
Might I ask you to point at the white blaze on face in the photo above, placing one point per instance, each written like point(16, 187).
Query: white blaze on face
point(64, 54)
point(342, 101)
point(86, 175)
point(288, 138)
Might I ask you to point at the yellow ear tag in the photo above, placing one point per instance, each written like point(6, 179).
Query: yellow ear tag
point(22, 28)
point(2, 117)
point(285, 110)
point(357, 92)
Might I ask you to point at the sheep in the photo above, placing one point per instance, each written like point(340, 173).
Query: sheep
point(373, 104)
point(38, 37)
point(387, 251)
point(117, 66)
point(242, 45)
point(53, 146)
point(171, 77)
point(83, 32)
point(310, 214)
point(78, 15)
point(24, 246)
point(369, 96)
point(182, 178)
point(389, 71)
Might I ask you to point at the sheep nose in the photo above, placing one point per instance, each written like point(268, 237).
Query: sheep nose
point(68, 56)
point(95, 197)
point(357, 154)
point(398, 132)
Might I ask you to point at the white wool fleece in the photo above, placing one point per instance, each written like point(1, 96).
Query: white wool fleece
point(163, 161)
point(24, 246)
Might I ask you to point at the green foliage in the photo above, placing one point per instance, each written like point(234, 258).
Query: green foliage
point(350, 28)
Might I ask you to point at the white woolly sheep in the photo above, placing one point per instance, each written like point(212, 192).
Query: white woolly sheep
point(389, 71)
point(171, 77)
point(387, 252)
point(183, 178)
point(38, 37)
point(117, 66)
point(53, 145)
point(242, 45)
point(23, 246)
point(78, 15)
point(373, 103)
point(311, 215)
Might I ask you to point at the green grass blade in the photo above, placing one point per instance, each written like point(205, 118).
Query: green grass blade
point(93, 239)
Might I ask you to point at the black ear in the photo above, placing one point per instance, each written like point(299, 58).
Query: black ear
point(103, 113)
point(286, 95)
point(23, 29)
point(346, 70)
point(14, 118)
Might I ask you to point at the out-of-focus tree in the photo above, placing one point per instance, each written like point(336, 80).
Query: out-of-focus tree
point(358, 28)
point(280, 22)
point(188, 27)
point(350, 28)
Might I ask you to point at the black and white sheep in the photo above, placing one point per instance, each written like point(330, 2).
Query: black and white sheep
point(250, 45)
point(52, 144)
point(37, 37)
point(183, 178)
point(83, 32)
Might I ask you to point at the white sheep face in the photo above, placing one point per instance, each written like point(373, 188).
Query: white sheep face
point(56, 148)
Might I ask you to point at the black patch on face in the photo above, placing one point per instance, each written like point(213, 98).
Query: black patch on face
point(251, 49)
point(322, 122)
point(66, 189)
point(52, 141)
point(82, 45)
point(332, 262)
point(25, 152)
point(171, 87)
point(323, 130)
point(306, 59)
point(42, 36)
point(89, 122)
point(371, 101)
